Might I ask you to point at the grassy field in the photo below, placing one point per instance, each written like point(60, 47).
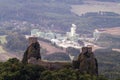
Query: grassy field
point(50, 49)
point(3, 39)
point(112, 31)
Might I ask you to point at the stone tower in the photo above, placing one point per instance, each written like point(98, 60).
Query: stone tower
point(33, 50)
point(87, 61)
point(32, 40)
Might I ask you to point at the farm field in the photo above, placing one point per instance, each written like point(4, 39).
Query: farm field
point(96, 6)
point(50, 48)
point(112, 31)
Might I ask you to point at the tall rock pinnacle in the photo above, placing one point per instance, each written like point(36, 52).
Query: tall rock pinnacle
point(32, 51)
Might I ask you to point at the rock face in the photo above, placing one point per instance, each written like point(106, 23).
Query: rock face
point(87, 61)
point(32, 51)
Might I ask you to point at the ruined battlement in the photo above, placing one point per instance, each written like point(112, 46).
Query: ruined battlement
point(86, 49)
point(32, 40)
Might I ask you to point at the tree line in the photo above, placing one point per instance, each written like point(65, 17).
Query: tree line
point(13, 69)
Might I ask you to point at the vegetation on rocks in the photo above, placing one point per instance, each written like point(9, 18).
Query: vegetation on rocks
point(13, 69)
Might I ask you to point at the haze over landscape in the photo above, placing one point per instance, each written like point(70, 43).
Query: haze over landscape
point(95, 6)
point(63, 27)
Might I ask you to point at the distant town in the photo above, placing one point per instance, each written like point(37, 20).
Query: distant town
point(70, 39)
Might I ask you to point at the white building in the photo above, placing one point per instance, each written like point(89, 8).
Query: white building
point(72, 35)
point(34, 32)
point(96, 34)
point(73, 30)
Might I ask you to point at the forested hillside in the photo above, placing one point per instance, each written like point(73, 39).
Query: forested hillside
point(109, 64)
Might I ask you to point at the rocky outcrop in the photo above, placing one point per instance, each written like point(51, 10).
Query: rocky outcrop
point(32, 51)
point(87, 61)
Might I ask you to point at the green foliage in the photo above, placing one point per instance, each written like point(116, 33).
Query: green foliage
point(102, 78)
point(64, 74)
point(46, 75)
point(13, 69)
